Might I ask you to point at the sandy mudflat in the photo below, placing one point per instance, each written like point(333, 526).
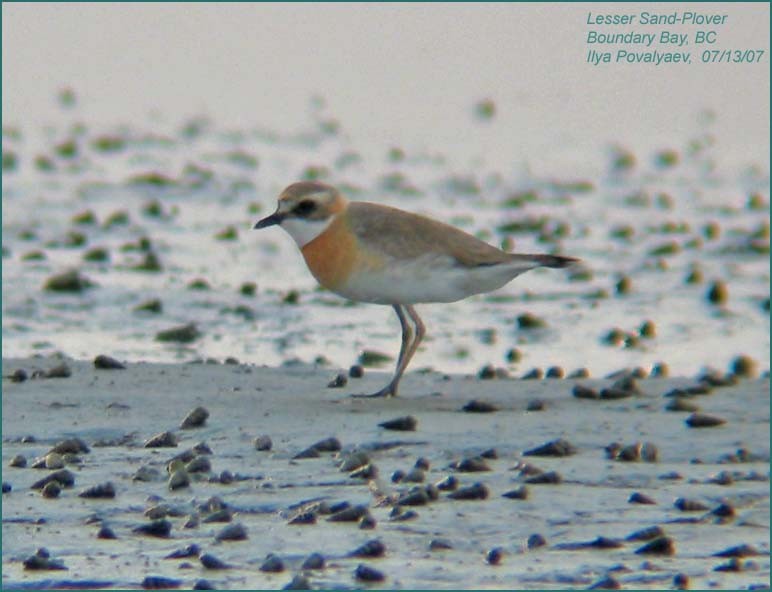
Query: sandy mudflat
point(114, 412)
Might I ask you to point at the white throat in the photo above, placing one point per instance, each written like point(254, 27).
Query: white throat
point(304, 231)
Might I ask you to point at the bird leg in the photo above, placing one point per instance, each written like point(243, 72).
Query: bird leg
point(410, 343)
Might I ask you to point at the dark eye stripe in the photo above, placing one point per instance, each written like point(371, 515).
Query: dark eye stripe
point(304, 208)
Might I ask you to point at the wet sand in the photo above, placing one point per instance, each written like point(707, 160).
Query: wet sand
point(115, 411)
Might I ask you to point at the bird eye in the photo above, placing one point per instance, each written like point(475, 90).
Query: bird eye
point(304, 208)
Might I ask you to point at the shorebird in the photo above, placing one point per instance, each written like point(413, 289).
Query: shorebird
point(373, 253)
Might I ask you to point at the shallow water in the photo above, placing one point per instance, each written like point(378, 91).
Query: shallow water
point(647, 222)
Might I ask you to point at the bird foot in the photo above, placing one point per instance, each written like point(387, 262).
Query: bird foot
point(387, 391)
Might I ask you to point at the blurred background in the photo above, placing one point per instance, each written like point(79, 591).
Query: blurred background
point(142, 141)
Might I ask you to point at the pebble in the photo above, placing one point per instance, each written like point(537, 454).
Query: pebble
point(680, 404)
point(606, 583)
point(535, 541)
point(718, 293)
point(353, 461)
point(548, 478)
point(232, 532)
point(613, 393)
point(191, 521)
point(220, 515)
point(702, 420)
point(366, 573)
point(263, 443)
point(640, 498)
point(514, 355)
point(536, 405)
point(475, 406)
point(179, 334)
point(192, 550)
point(624, 285)
point(440, 545)
point(646, 534)
point(475, 464)
point(477, 491)
point(681, 581)
point(52, 461)
point(597, 543)
point(71, 446)
point(18, 375)
point(157, 528)
point(327, 445)
point(42, 561)
point(530, 321)
point(59, 371)
point(397, 476)
point(145, 473)
point(407, 423)
point(106, 533)
point(490, 454)
point(689, 505)
point(313, 561)
point(584, 392)
point(349, 514)
point(494, 556)
point(63, 477)
point(660, 546)
point(203, 585)
point(418, 497)
point(162, 440)
point(334, 508)
point(432, 492)
point(520, 493)
point(298, 582)
point(723, 511)
point(487, 372)
point(533, 374)
point(303, 518)
point(738, 551)
point(716, 378)
point(422, 463)
point(744, 366)
point(195, 418)
point(7, 487)
point(160, 583)
point(449, 483)
point(339, 381)
point(200, 464)
point(367, 522)
point(101, 491)
point(415, 475)
point(555, 372)
point(209, 561)
point(722, 478)
point(179, 479)
point(51, 490)
point(356, 371)
point(103, 362)
point(733, 565)
point(559, 448)
point(371, 549)
point(397, 514)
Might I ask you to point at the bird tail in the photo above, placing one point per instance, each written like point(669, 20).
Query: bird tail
point(548, 260)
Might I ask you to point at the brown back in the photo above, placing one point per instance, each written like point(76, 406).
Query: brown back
point(404, 235)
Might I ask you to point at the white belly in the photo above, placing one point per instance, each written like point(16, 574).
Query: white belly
point(431, 280)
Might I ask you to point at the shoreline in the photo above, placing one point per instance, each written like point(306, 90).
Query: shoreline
point(115, 411)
